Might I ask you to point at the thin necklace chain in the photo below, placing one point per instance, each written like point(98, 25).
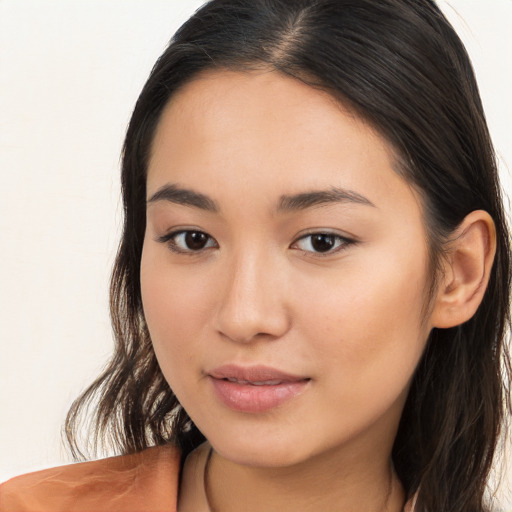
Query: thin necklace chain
point(206, 474)
point(205, 479)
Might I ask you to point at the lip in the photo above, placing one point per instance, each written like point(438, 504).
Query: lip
point(255, 389)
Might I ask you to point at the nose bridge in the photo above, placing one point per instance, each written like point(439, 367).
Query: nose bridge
point(253, 301)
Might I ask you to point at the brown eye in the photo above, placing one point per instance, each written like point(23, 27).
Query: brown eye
point(196, 240)
point(322, 243)
point(188, 241)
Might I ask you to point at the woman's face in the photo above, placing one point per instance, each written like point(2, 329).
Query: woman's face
point(284, 270)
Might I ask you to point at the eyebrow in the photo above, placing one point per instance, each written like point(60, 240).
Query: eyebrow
point(184, 196)
point(305, 200)
point(287, 203)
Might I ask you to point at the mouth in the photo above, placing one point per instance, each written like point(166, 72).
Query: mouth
point(255, 389)
point(255, 383)
point(253, 374)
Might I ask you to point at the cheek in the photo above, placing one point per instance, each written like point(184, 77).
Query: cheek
point(367, 338)
point(176, 307)
point(368, 316)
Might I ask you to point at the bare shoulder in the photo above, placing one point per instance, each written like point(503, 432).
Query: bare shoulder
point(145, 481)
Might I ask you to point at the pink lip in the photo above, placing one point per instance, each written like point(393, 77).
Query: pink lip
point(255, 388)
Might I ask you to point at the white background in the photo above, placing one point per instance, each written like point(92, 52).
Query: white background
point(70, 72)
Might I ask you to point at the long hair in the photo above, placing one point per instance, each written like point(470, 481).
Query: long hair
point(399, 65)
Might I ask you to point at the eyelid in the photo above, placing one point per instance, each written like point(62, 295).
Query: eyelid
point(346, 241)
point(168, 237)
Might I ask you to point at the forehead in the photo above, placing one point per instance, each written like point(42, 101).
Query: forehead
point(221, 99)
point(226, 129)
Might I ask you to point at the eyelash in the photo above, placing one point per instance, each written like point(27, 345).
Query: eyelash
point(170, 239)
point(341, 243)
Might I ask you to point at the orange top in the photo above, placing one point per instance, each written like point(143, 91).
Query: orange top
point(142, 482)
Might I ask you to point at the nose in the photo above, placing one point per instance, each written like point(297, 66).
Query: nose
point(253, 301)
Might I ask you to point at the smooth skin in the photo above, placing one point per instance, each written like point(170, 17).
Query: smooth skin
point(233, 274)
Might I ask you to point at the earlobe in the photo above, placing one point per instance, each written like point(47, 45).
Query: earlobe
point(467, 268)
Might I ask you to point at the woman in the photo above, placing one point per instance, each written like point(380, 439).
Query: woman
point(312, 290)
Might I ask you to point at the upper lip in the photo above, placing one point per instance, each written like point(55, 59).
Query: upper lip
point(259, 373)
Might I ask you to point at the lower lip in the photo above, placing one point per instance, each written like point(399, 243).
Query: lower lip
point(254, 399)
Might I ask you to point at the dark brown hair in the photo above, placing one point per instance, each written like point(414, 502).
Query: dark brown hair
point(399, 65)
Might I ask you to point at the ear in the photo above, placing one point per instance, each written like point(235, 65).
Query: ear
point(467, 268)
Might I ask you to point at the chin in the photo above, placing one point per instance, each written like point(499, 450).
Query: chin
point(259, 450)
point(267, 457)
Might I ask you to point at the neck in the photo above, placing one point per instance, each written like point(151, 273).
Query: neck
point(320, 484)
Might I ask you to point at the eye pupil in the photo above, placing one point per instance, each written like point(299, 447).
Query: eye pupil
point(196, 240)
point(322, 243)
